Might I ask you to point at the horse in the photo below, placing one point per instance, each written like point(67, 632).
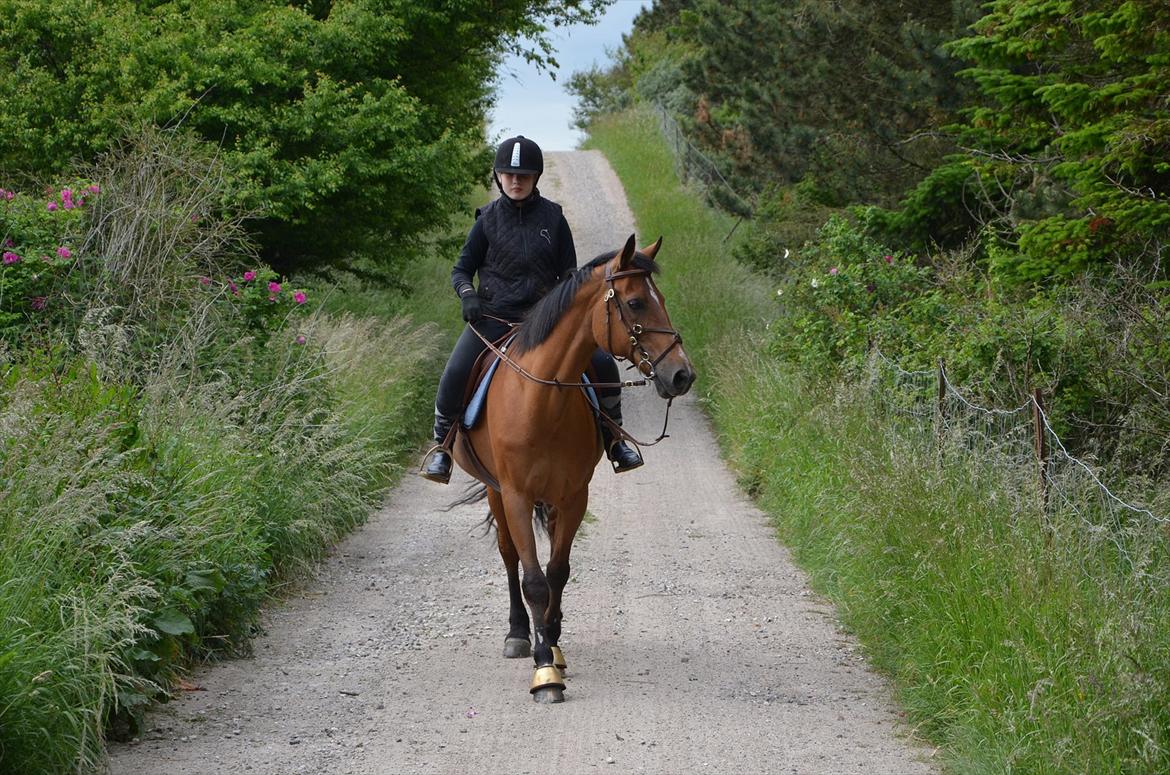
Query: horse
point(539, 440)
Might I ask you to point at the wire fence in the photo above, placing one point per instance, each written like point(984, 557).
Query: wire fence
point(691, 164)
point(1019, 442)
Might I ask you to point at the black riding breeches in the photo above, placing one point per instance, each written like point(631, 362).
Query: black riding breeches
point(449, 401)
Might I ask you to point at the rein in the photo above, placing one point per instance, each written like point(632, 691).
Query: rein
point(633, 331)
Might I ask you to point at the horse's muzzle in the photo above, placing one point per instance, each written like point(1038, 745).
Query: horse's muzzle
point(673, 382)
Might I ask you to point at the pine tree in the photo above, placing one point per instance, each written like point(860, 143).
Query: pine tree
point(1073, 143)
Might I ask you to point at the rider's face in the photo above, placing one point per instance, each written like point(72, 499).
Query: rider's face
point(517, 186)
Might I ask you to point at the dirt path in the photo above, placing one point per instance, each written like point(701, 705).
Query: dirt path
point(693, 642)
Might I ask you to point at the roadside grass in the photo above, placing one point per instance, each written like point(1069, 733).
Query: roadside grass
point(1016, 643)
point(162, 476)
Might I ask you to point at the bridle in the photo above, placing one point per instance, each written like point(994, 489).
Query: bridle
point(645, 365)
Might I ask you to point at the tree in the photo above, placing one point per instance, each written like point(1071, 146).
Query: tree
point(350, 126)
point(1073, 141)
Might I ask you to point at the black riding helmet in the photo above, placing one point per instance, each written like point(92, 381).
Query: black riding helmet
point(520, 156)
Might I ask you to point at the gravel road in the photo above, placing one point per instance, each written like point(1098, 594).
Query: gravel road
point(694, 644)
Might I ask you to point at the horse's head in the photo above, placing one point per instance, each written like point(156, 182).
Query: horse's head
point(631, 322)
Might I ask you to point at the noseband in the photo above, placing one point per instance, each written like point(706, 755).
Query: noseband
point(645, 365)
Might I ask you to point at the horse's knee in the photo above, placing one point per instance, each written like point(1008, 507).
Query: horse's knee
point(558, 575)
point(535, 586)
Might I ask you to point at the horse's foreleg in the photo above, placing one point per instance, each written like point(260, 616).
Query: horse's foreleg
point(547, 682)
point(516, 642)
point(569, 516)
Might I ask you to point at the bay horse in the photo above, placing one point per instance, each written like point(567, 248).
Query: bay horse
point(538, 437)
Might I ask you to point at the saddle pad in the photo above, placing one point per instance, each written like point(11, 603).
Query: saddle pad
point(475, 405)
point(479, 399)
point(591, 394)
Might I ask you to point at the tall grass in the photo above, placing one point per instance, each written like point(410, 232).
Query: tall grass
point(166, 466)
point(1018, 644)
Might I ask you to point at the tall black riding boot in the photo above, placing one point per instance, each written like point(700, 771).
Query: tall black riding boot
point(438, 467)
point(621, 455)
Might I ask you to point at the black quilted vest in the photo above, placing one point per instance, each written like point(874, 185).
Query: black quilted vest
point(522, 262)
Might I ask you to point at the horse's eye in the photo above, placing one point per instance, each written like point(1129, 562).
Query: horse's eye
point(635, 304)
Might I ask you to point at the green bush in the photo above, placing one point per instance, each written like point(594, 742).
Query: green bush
point(848, 294)
point(1093, 349)
point(785, 221)
point(39, 239)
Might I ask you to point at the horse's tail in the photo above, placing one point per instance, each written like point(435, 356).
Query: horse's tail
point(540, 517)
point(477, 492)
point(473, 493)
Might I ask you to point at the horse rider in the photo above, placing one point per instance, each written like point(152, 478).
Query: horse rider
point(520, 246)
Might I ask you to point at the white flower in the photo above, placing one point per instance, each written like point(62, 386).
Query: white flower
point(815, 284)
point(779, 291)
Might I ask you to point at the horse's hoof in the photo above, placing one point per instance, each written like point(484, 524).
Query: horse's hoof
point(548, 685)
point(559, 658)
point(517, 647)
point(549, 695)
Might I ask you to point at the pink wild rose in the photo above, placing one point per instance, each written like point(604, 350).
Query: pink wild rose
point(300, 297)
point(63, 252)
point(889, 259)
point(205, 281)
point(833, 271)
point(274, 287)
point(51, 206)
point(249, 276)
point(300, 339)
point(11, 258)
point(94, 189)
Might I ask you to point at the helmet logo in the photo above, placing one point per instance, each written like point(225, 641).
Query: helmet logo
point(516, 155)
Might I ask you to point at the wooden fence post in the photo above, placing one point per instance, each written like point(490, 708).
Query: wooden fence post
point(1041, 446)
point(940, 415)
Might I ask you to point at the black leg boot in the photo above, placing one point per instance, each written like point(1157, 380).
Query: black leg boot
point(438, 466)
point(621, 455)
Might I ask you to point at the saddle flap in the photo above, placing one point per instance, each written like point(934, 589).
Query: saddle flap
point(479, 397)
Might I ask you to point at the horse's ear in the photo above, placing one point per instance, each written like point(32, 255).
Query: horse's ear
point(627, 254)
point(652, 250)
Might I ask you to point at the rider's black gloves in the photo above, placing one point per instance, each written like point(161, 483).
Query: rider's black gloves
point(472, 309)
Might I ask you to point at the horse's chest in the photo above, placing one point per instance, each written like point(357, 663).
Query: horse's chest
point(552, 453)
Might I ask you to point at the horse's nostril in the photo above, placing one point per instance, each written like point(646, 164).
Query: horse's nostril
point(682, 380)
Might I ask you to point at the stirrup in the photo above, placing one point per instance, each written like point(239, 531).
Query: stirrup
point(438, 466)
point(623, 457)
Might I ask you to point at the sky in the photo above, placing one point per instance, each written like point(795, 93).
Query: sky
point(530, 103)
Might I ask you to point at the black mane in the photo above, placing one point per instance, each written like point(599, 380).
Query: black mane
point(543, 317)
